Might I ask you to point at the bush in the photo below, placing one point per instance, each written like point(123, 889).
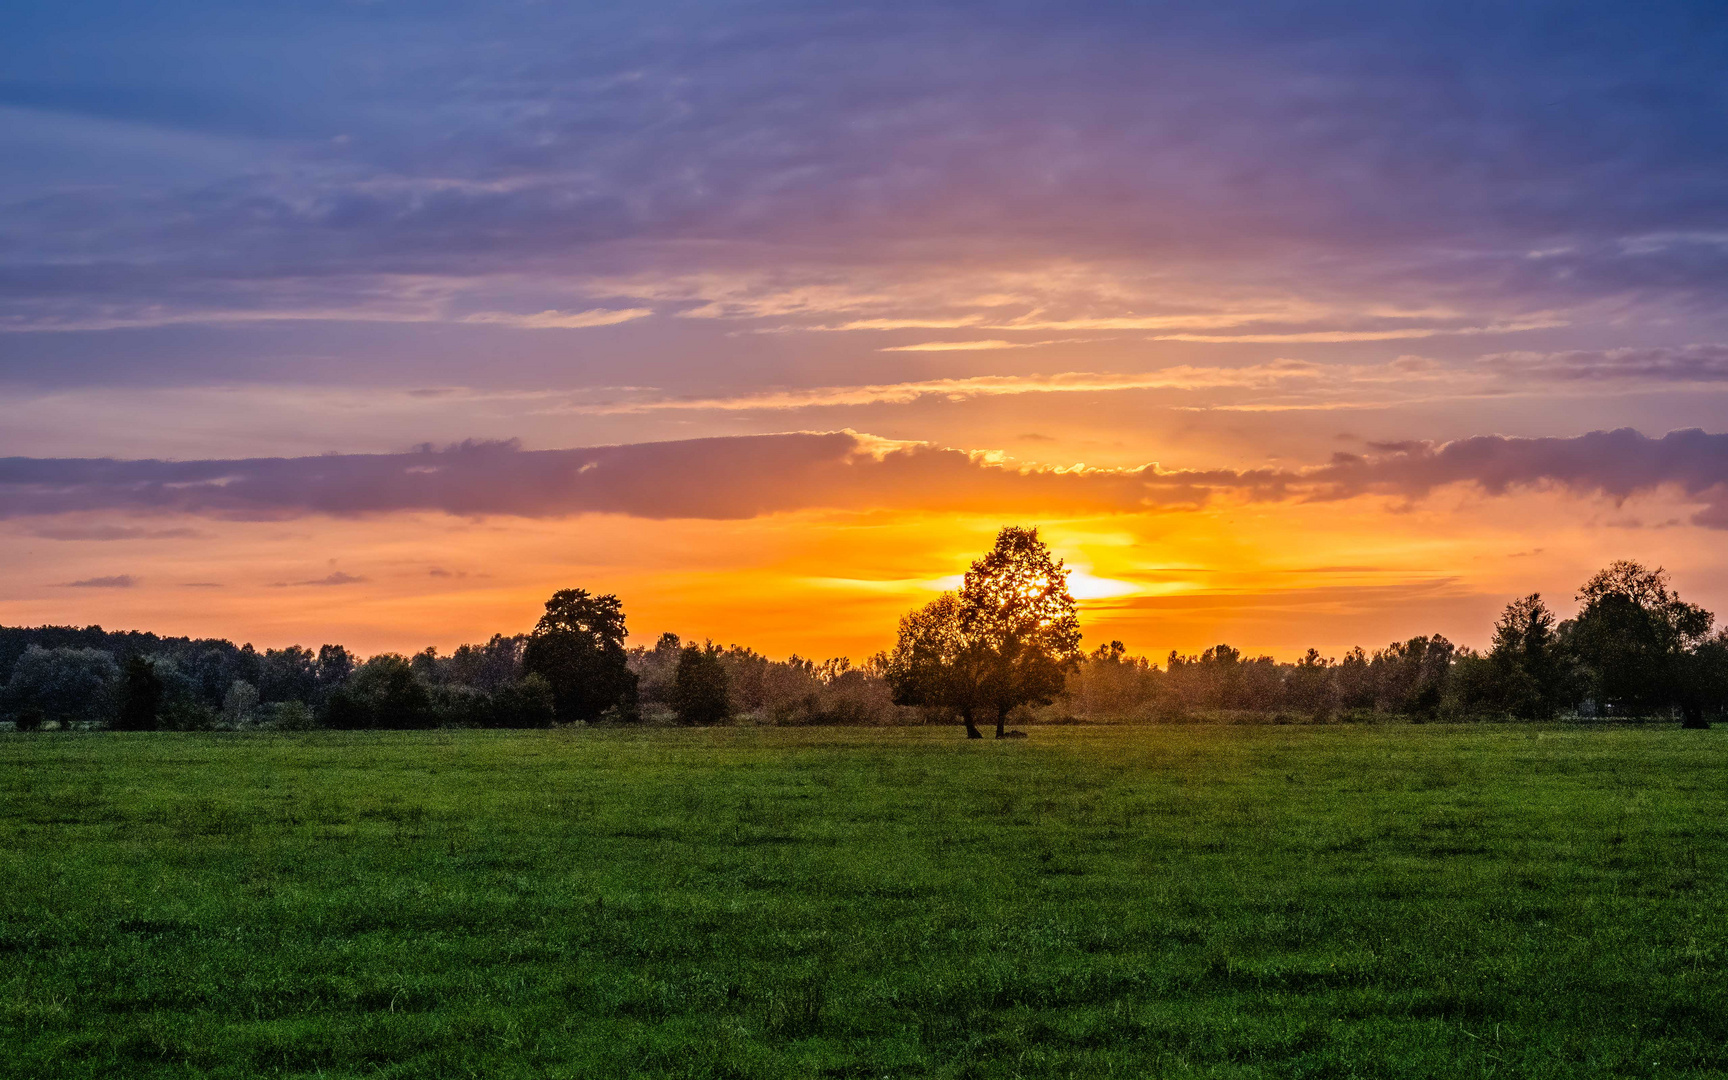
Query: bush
point(524, 704)
point(289, 716)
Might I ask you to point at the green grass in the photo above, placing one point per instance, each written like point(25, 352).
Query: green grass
point(1168, 901)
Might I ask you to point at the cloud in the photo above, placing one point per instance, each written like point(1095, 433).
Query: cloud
point(964, 346)
point(116, 581)
point(749, 476)
point(717, 478)
point(1179, 377)
point(111, 532)
point(1313, 151)
point(336, 578)
point(559, 320)
point(1618, 464)
point(1339, 336)
point(1650, 366)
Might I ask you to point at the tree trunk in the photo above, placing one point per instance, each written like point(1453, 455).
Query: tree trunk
point(1001, 720)
point(972, 731)
point(1692, 716)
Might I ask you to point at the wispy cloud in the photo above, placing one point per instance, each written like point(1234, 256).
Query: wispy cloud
point(107, 533)
point(559, 320)
point(1340, 336)
point(1075, 382)
point(964, 346)
point(337, 578)
point(115, 581)
point(1654, 367)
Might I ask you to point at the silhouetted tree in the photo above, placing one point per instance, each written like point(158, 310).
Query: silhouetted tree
point(1703, 690)
point(1410, 676)
point(140, 697)
point(578, 648)
point(1632, 637)
point(1524, 659)
point(937, 665)
point(331, 669)
point(1310, 686)
point(1110, 683)
point(700, 694)
point(1008, 638)
point(487, 667)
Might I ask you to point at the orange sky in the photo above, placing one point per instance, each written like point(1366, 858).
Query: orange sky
point(1265, 577)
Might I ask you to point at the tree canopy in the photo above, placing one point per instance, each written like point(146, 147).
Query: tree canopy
point(1006, 639)
point(1633, 636)
point(578, 648)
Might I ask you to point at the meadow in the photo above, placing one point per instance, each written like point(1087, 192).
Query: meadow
point(1327, 901)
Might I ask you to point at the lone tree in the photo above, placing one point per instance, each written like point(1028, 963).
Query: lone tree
point(578, 648)
point(1008, 638)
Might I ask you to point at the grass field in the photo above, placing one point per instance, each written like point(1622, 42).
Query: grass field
point(1168, 901)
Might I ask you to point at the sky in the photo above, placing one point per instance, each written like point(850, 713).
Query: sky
point(1288, 324)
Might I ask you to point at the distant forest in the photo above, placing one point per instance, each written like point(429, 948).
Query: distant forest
point(1004, 649)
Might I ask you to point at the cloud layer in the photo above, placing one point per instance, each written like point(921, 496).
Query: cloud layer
point(760, 158)
point(743, 477)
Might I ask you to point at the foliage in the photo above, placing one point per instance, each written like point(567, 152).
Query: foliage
point(1525, 661)
point(578, 648)
point(141, 693)
point(1006, 640)
point(1636, 649)
point(1433, 901)
point(701, 691)
point(1016, 609)
point(936, 665)
point(382, 693)
point(1632, 636)
point(289, 716)
point(61, 685)
point(240, 703)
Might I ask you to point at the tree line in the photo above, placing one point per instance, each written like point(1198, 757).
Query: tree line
point(1004, 646)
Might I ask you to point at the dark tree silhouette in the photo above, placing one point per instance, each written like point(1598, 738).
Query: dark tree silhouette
point(1703, 687)
point(1524, 661)
point(700, 690)
point(140, 696)
point(1632, 637)
point(1015, 605)
point(935, 665)
point(578, 647)
point(1008, 638)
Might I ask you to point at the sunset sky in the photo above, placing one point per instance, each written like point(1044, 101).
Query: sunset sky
point(1289, 324)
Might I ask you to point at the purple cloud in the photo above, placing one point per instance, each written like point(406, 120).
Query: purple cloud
point(749, 476)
